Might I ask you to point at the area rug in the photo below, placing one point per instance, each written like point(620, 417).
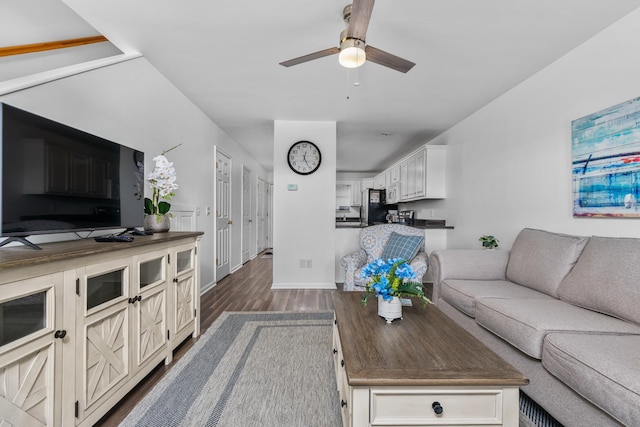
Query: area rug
point(250, 369)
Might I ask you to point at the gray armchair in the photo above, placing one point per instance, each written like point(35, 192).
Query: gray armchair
point(373, 240)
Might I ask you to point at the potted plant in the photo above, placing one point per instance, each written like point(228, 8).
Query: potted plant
point(489, 242)
point(162, 181)
point(390, 281)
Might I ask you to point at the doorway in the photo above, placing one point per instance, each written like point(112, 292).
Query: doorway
point(247, 215)
point(223, 214)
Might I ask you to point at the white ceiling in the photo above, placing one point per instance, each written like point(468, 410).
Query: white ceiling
point(224, 56)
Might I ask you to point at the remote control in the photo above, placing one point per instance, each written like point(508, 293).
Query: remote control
point(112, 238)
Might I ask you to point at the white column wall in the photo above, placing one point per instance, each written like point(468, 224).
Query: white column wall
point(304, 220)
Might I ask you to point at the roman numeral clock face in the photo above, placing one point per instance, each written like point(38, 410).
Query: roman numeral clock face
point(304, 157)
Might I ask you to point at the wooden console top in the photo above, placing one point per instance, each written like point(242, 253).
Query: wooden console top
point(23, 256)
point(425, 348)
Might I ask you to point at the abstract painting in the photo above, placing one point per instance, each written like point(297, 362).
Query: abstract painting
point(606, 162)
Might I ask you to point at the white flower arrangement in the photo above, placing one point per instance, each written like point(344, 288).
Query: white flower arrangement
point(162, 181)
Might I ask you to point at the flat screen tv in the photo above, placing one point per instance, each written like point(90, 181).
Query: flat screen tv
point(58, 179)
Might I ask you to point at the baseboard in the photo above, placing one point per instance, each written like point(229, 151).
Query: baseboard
point(330, 285)
point(207, 287)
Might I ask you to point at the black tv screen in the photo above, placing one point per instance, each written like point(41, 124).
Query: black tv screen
point(58, 179)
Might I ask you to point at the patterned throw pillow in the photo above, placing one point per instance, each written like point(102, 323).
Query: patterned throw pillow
point(401, 246)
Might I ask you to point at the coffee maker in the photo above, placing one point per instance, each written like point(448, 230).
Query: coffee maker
point(406, 217)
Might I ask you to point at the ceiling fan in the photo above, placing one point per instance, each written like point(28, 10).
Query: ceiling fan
point(353, 50)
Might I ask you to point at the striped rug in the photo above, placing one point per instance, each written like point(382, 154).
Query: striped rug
point(250, 369)
point(261, 369)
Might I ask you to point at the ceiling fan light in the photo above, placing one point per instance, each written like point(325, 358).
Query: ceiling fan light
point(352, 54)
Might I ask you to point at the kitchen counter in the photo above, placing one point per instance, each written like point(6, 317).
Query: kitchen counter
point(422, 224)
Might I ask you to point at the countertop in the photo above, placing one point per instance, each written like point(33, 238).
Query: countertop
point(416, 223)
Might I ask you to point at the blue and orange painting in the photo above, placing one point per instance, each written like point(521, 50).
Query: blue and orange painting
point(606, 162)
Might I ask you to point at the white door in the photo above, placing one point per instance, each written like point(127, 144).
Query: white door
point(261, 215)
point(246, 214)
point(223, 214)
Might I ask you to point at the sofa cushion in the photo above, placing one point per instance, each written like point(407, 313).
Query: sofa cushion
point(602, 368)
point(402, 246)
point(606, 278)
point(525, 322)
point(540, 259)
point(462, 294)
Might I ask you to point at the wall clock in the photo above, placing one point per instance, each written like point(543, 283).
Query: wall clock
point(304, 157)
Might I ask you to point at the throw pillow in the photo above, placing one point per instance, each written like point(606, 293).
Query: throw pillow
point(401, 246)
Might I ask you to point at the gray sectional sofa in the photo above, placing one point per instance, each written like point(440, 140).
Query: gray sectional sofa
point(564, 310)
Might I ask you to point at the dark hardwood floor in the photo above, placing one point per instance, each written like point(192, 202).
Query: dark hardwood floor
point(248, 289)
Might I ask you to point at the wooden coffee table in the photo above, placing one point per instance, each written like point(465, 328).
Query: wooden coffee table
point(423, 370)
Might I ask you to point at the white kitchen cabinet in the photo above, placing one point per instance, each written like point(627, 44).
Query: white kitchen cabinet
point(394, 174)
point(81, 323)
point(356, 193)
point(379, 181)
point(348, 193)
point(367, 183)
point(422, 174)
point(393, 193)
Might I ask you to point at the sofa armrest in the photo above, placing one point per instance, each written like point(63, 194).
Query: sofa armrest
point(351, 262)
point(420, 264)
point(474, 264)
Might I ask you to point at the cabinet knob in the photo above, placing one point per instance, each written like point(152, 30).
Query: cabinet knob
point(132, 300)
point(60, 334)
point(437, 408)
point(175, 280)
point(335, 351)
point(139, 297)
point(343, 403)
point(342, 363)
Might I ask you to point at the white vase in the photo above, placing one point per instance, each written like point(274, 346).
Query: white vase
point(390, 310)
point(152, 224)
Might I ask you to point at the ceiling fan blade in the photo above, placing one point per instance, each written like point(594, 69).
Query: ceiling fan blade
point(387, 59)
point(359, 20)
point(311, 57)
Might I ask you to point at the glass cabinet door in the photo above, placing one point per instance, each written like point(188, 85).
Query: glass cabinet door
point(22, 316)
point(184, 260)
point(151, 272)
point(104, 287)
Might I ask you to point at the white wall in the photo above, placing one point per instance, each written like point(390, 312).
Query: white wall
point(509, 164)
point(133, 104)
point(303, 220)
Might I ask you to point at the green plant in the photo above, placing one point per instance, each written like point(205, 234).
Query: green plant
point(489, 242)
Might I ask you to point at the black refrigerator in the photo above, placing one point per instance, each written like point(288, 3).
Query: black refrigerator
point(374, 210)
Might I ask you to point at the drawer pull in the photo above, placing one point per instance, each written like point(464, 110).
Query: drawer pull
point(60, 334)
point(437, 408)
point(343, 403)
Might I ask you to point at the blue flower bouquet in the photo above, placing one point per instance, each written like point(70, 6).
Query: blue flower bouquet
point(392, 278)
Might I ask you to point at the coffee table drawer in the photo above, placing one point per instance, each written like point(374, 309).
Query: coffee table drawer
point(415, 407)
